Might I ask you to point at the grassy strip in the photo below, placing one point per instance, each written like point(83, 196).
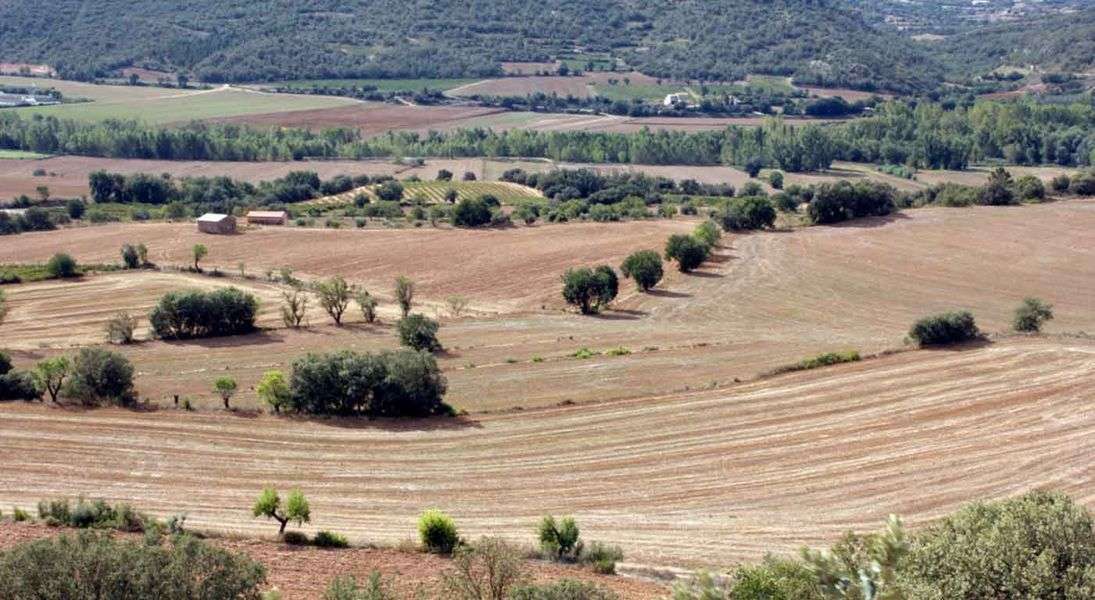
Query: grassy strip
point(30, 273)
point(815, 362)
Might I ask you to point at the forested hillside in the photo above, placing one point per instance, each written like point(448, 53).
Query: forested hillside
point(818, 41)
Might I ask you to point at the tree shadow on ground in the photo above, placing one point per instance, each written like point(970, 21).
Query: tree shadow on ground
point(392, 424)
point(619, 314)
point(871, 222)
point(668, 294)
point(258, 338)
point(705, 274)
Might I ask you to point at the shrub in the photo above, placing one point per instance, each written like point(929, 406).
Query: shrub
point(775, 579)
point(130, 258)
point(645, 267)
point(16, 385)
point(471, 212)
point(1031, 315)
point(1030, 188)
point(75, 208)
point(603, 557)
point(708, 232)
point(120, 328)
point(785, 202)
point(1083, 184)
point(419, 332)
point(294, 308)
point(559, 539)
point(404, 294)
point(367, 303)
point(750, 212)
point(394, 384)
point(753, 166)
point(346, 587)
point(564, 589)
point(945, 328)
point(775, 179)
point(687, 251)
point(1060, 183)
point(95, 514)
point(488, 570)
point(294, 508)
point(19, 515)
point(100, 376)
point(96, 566)
point(390, 191)
point(1039, 545)
point(197, 314)
point(590, 289)
point(294, 538)
point(330, 539)
point(998, 190)
point(62, 266)
point(437, 531)
point(826, 359)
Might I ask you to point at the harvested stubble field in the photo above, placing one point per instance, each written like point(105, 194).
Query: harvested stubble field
point(697, 478)
point(302, 573)
point(433, 192)
point(766, 300)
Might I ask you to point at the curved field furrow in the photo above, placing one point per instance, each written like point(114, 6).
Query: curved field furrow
point(706, 477)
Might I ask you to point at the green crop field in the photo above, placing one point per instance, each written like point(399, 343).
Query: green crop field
point(433, 192)
point(183, 105)
point(382, 85)
point(20, 155)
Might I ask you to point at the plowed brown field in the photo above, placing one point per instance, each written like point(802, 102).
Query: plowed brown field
point(705, 477)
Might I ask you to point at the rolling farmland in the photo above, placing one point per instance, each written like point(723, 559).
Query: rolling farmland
point(433, 192)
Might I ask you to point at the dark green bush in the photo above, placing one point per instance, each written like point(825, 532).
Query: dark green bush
point(96, 514)
point(197, 314)
point(775, 579)
point(688, 251)
point(295, 538)
point(752, 212)
point(330, 539)
point(399, 383)
point(645, 267)
point(841, 201)
point(16, 385)
point(1030, 188)
point(96, 566)
point(590, 289)
point(62, 266)
point(100, 376)
point(471, 212)
point(419, 332)
point(945, 328)
point(1031, 315)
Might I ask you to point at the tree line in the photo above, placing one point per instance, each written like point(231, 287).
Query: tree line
point(922, 135)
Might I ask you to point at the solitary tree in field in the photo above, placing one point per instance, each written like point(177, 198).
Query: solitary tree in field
point(1032, 314)
point(274, 390)
point(444, 175)
point(404, 294)
point(50, 375)
point(294, 509)
point(645, 267)
point(334, 296)
point(43, 193)
point(199, 251)
point(688, 251)
point(590, 289)
point(226, 387)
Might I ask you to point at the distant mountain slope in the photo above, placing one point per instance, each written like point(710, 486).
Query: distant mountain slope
point(818, 41)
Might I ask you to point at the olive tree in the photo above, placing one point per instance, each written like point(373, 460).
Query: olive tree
point(367, 303)
point(294, 308)
point(645, 267)
point(688, 251)
point(419, 332)
point(559, 539)
point(294, 509)
point(100, 375)
point(590, 289)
